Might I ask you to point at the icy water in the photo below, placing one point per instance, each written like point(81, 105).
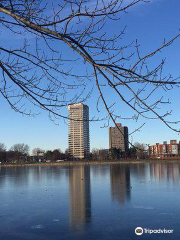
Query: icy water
point(89, 202)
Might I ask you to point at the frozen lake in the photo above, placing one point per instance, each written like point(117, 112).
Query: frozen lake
point(89, 202)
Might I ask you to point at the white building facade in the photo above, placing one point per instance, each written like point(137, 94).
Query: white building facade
point(78, 138)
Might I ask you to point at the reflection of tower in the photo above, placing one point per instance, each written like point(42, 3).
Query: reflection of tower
point(140, 171)
point(80, 198)
point(120, 183)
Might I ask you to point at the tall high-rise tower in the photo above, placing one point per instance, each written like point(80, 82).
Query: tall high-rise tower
point(78, 138)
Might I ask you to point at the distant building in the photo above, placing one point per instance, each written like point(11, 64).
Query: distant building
point(118, 138)
point(101, 154)
point(104, 151)
point(165, 149)
point(78, 139)
point(39, 156)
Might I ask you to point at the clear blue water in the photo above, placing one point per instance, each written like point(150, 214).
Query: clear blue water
point(89, 202)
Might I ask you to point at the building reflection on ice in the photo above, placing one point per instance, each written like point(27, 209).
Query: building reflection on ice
point(165, 172)
point(120, 183)
point(80, 195)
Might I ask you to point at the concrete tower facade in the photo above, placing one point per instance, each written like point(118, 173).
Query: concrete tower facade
point(78, 139)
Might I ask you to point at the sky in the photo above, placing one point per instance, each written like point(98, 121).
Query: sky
point(150, 23)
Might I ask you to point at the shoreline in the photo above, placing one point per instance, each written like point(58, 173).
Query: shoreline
point(69, 163)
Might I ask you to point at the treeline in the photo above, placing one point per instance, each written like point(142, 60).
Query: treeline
point(52, 156)
point(17, 152)
point(20, 152)
point(138, 151)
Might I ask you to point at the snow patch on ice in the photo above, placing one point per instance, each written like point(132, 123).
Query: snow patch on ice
point(38, 226)
point(142, 207)
point(55, 220)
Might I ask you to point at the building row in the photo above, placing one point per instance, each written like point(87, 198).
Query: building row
point(79, 140)
point(78, 137)
point(165, 149)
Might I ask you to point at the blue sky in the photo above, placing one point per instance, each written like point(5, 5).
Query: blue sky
point(150, 24)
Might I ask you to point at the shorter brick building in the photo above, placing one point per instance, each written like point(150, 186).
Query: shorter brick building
point(118, 138)
point(165, 150)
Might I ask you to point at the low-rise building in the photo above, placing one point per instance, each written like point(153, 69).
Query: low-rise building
point(171, 149)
